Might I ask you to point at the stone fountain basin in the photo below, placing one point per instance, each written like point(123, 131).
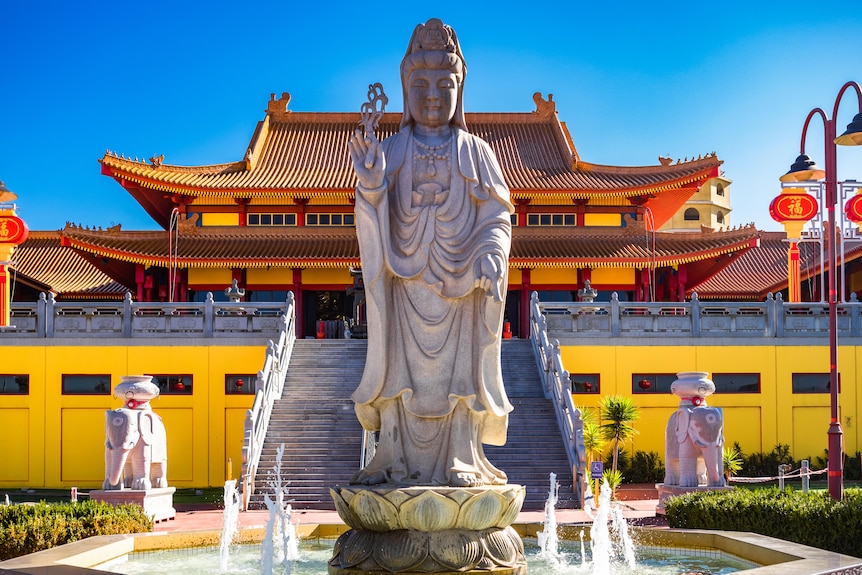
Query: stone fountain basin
point(777, 556)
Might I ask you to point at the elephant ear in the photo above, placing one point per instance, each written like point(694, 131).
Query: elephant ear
point(683, 417)
point(146, 425)
point(121, 428)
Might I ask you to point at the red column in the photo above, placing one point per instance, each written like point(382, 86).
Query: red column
point(525, 303)
point(4, 310)
point(297, 302)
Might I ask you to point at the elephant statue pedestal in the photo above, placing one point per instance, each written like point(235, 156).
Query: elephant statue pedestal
point(136, 454)
point(694, 441)
point(157, 502)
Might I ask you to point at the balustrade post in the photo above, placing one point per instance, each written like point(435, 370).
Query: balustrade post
point(42, 316)
point(776, 315)
point(127, 315)
point(855, 328)
point(49, 315)
point(615, 314)
point(695, 315)
point(209, 315)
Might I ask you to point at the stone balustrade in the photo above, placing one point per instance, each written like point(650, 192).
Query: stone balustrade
point(48, 318)
point(772, 318)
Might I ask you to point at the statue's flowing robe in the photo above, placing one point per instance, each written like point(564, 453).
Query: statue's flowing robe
point(432, 383)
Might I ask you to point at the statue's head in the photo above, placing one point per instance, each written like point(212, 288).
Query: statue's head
point(434, 54)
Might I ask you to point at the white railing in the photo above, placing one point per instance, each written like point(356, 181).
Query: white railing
point(48, 318)
point(268, 387)
point(557, 387)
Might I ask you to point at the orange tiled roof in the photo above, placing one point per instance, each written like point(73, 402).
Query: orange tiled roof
point(223, 246)
point(629, 247)
point(43, 262)
point(763, 270)
point(304, 154)
point(335, 247)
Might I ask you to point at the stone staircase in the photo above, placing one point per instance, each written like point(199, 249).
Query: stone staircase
point(322, 438)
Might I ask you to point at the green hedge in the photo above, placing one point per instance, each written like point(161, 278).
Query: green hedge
point(810, 518)
point(29, 528)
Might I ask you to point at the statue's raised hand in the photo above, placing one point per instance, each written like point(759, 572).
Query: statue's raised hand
point(489, 276)
point(369, 162)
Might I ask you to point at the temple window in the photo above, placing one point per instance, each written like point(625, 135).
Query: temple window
point(86, 384)
point(551, 220)
point(329, 219)
point(652, 382)
point(239, 384)
point(174, 384)
point(691, 215)
point(275, 219)
point(14, 384)
point(736, 382)
point(584, 382)
point(812, 382)
point(719, 218)
point(719, 190)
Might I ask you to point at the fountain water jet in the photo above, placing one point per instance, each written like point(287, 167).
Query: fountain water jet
point(547, 538)
point(230, 526)
point(280, 543)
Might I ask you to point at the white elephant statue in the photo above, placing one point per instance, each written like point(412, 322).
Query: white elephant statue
point(694, 440)
point(136, 455)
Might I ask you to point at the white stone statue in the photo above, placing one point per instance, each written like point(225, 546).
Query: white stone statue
point(136, 444)
point(433, 222)
point(694, 442)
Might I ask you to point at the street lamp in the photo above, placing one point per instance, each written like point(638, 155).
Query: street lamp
point(804, 169)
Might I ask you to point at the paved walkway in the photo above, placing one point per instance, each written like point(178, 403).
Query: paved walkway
point(637, 511)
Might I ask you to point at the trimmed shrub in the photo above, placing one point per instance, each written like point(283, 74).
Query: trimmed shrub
point(26, 529)
point(809, 518)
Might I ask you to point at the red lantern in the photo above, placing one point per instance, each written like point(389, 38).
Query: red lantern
point(239, 384)
point(644, 384)
point(588, 386)
point(792, 206)
point(853, 209)
point(13, 230)
point(180, 385)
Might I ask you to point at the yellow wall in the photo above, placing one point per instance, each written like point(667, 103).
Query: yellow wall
point(54, 440)
point(59, 439)
point(604, 220)
point(612, 276)
point(209, 276)
point(758, 422)
point(274, 276)
point(220, 219)
point(324, 276)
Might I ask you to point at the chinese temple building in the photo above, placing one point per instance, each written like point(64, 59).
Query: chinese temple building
point(281, 219)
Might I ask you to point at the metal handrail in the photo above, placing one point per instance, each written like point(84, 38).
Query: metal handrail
point(269, 386)
point(557, 387)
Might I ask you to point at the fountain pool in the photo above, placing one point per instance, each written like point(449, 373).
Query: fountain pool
point(314, 555)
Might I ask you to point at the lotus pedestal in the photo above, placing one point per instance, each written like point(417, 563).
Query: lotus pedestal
point(428, 530)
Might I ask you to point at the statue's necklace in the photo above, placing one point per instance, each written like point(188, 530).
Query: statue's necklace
point(423, 152)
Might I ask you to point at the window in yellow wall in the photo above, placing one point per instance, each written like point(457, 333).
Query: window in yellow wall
point(652, 382)
point(239, 384)
point(551, 219)
point(585, 382)
point(89, 384)
point(271, 219)
point(329, 219)
point(812, 382)
point(14, 384)
point(174, 384)
point(736, 382)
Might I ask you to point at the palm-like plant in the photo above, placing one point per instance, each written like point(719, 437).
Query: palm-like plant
point(594, 443)
point(618, 413)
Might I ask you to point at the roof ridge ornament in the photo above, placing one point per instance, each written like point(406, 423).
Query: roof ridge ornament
point(545, 108)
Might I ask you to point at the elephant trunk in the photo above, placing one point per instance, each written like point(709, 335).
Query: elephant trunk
point(118, 462)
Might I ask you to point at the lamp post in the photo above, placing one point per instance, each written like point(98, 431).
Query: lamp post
point(804, 169)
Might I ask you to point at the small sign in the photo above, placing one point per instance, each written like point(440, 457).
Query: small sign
point(596, 468)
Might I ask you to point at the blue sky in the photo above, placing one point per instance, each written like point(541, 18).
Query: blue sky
point(631, 80)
